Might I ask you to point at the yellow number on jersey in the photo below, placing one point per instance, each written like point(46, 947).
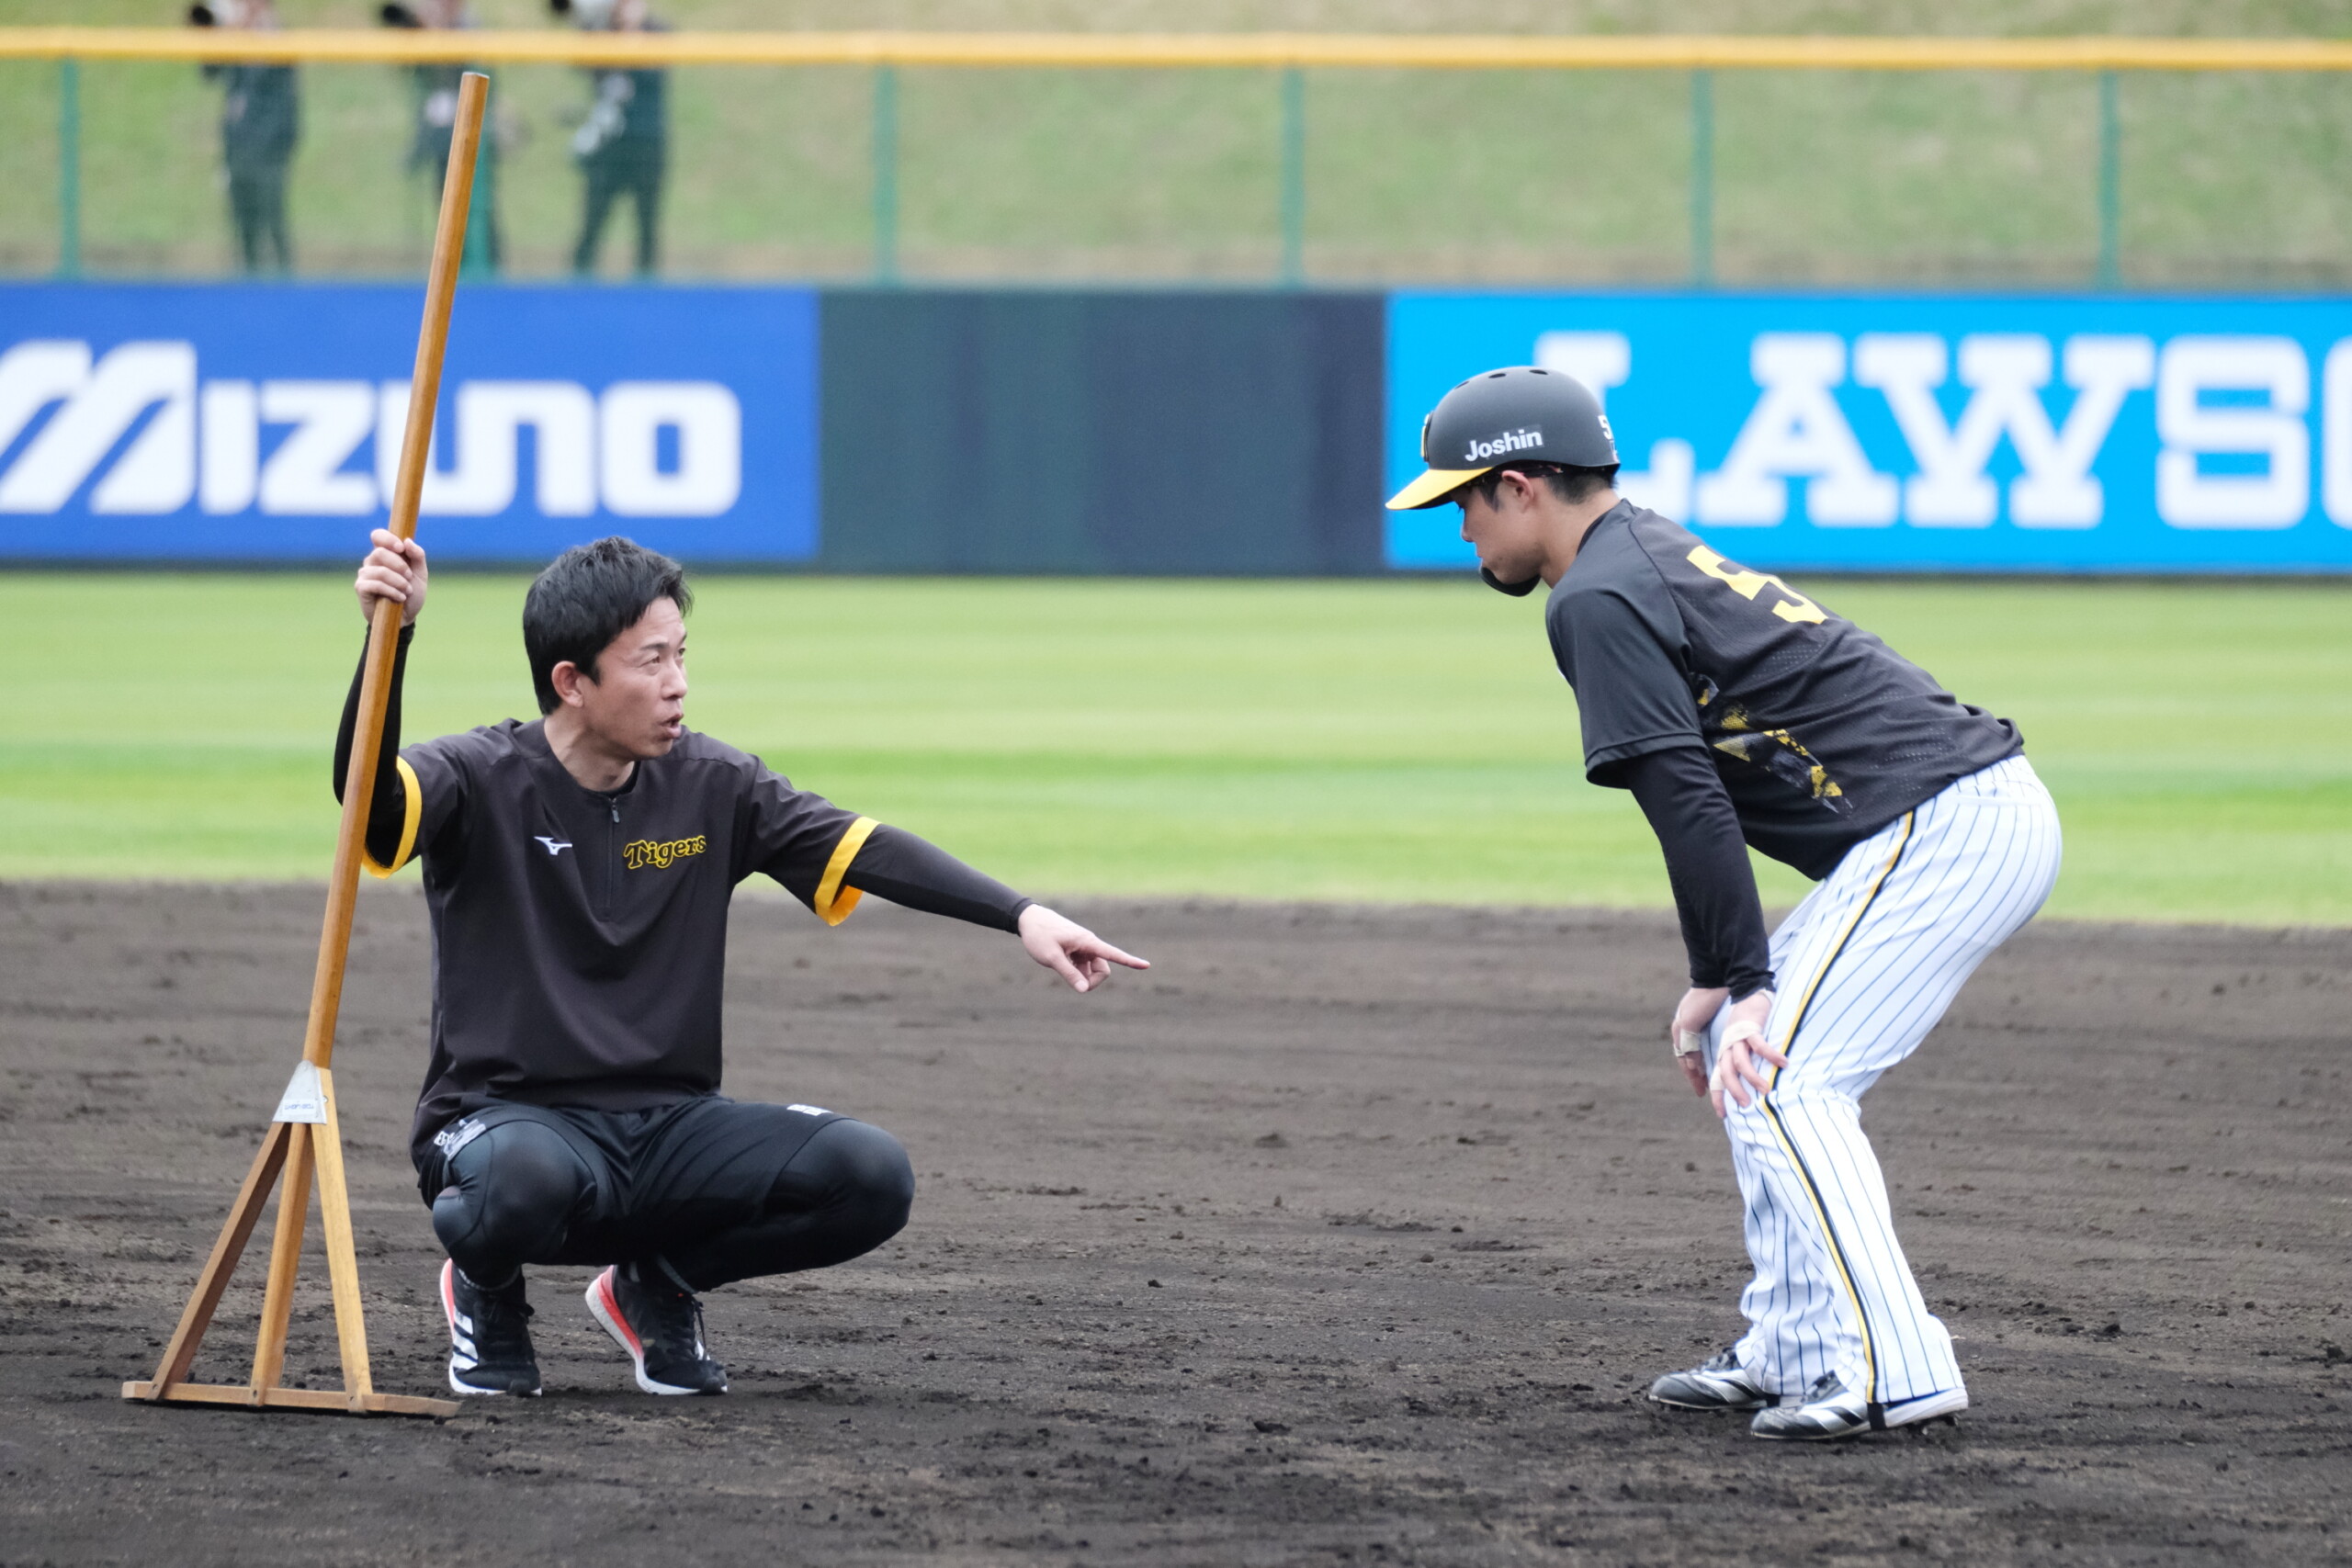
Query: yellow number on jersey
point(1747, 584)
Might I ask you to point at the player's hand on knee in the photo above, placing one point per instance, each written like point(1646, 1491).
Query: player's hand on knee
point(1742, 1054)
point(1687, 1033)
point(1069, 949)
point(393, 569)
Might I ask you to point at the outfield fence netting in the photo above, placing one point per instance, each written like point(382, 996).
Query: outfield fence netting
point(1338, 176)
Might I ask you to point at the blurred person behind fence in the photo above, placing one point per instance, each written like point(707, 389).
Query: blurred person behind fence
point(436, 119)
point(623, 146)
point(261, 120)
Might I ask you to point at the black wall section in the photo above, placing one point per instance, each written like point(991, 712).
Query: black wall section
point(1102, 433)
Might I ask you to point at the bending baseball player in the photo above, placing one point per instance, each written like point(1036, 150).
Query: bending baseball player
point(578, 869)
point(1739, 712)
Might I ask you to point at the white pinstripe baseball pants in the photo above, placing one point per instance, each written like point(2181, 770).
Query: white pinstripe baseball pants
point(1866, 965)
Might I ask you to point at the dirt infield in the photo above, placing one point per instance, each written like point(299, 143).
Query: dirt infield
point(1344, 1236)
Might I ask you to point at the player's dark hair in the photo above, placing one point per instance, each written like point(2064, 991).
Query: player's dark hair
point(1570, 482)
point(590, 595)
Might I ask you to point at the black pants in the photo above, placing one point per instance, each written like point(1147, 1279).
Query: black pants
point(717, 1191)
point(257, 207)
point(612, 171)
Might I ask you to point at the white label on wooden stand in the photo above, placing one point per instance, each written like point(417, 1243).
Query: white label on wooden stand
point(305, 1099)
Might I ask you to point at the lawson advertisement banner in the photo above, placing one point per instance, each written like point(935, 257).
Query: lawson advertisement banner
point(233, 422)
point(1980, 434)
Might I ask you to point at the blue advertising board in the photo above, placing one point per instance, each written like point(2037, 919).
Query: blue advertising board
point(164, 422)
point(245, 423)
point(1925, 432)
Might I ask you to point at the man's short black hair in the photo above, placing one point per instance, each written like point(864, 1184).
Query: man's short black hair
point(590, 595)
point(1571, 483)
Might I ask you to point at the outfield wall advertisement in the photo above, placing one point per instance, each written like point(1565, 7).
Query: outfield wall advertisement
point(1207, 432)
point(1980, 434)
point(247, 423)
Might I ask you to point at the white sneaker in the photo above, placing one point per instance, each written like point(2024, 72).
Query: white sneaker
point(1720, 1384)
point(1832, 1410)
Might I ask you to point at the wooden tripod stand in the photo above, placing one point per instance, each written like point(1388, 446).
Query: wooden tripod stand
point(304, 1136)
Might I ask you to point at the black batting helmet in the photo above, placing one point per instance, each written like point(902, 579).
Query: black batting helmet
point(1522, 413)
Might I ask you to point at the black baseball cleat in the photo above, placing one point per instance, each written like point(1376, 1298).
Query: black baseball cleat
point(490, 1336)
point(660, 1325)
point(1831, 1410)
point(1718, 1383)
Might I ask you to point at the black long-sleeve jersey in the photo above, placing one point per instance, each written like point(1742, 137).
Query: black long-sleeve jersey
point(1818, 733)
point(579, 937)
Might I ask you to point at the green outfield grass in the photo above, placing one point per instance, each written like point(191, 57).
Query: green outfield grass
point(1328, 741)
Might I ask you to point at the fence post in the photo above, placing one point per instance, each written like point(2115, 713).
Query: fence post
point(478, 256)
point(886, 173)
point(2110, 185)
point(69, 167)
point(1294, 176)
point(1702, 179)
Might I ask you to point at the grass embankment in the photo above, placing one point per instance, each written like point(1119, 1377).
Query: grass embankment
point(1347, 740)
point(1821, 178)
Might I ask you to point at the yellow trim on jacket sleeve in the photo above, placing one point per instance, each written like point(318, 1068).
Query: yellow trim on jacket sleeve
point(833, 902)
point(412, 813)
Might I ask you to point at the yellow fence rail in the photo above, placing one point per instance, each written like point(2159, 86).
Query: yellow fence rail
point(1165, 51)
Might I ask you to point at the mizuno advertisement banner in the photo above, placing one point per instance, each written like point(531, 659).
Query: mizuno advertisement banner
point(233, 422)
point(1891, 433)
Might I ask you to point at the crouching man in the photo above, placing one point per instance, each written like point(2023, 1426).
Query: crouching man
point(578, 869)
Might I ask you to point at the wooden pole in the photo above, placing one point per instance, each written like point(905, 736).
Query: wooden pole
point(308, 1137)
point(383, 632)
point(285, 1259)
point(343, 1252)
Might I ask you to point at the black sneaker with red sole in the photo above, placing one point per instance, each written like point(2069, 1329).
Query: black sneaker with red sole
point(489, 1337)
point(661, 1327)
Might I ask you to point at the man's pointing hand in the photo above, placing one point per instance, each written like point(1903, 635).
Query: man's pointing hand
point(1069, 949)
